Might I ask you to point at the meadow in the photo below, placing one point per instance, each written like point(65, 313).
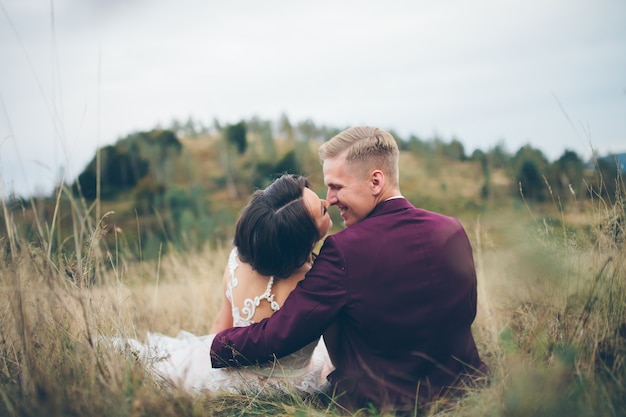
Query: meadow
point(551, 320)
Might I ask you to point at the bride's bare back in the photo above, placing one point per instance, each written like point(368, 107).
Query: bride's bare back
point(251, 284)
point(243, 287)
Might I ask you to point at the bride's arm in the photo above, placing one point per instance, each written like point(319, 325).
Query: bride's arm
point(224, 318)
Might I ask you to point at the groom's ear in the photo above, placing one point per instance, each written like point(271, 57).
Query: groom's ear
point(377, 181)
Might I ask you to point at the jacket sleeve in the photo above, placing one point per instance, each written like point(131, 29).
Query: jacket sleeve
point(307, 312)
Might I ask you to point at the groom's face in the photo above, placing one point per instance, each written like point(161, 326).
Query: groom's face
point(348, 189)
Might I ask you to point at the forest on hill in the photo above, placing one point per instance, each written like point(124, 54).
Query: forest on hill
point(184, 186)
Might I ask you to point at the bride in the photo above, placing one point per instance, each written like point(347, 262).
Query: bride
point(274, 238)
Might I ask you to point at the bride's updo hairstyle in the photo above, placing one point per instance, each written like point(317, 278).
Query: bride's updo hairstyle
point(275, 233)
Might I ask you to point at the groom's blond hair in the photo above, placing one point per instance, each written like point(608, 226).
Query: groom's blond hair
point(365, 148)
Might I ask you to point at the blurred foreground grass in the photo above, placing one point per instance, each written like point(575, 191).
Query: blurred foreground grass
point(551, 322)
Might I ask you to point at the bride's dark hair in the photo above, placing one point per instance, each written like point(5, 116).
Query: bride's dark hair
point(275, 233)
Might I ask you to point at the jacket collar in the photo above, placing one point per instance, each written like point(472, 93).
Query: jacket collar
point(390, 205)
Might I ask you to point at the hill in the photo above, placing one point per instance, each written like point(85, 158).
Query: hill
point(159, 189)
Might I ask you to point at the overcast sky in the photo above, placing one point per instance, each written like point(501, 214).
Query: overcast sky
point(79, 74)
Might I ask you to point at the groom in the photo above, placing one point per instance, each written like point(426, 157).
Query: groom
point(398, 282)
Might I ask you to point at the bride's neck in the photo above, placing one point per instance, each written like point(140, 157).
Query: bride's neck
point(307, 264)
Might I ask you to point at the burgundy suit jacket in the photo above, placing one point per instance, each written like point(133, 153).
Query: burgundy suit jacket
point(401, 285)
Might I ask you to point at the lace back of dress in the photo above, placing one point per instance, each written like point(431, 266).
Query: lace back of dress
point(297, 360)
point(244, 317)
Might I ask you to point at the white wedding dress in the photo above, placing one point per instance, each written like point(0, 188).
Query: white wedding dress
point(184, 361)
